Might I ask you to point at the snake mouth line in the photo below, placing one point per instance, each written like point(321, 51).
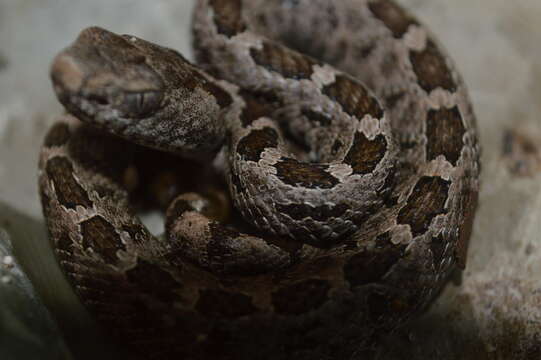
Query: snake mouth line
point(99, 100)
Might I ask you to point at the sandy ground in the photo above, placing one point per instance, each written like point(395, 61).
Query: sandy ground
point(492, 312)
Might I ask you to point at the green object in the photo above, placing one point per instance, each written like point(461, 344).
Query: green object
point(27, 330)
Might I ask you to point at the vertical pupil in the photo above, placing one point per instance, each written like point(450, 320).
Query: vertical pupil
point(141, 100)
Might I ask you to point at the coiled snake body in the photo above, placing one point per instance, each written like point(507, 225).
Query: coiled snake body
point(357, 187)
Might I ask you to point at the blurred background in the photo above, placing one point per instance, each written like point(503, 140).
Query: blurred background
point(492, 311)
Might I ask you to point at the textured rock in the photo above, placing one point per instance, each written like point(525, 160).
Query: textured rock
point(491, 311)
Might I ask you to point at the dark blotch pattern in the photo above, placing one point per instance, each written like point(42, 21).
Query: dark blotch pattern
point(364, 155)
point(252, 145)
point(425, 202)
point(287, 62)
point(228, 16)
point(353, 97)
point(58, 135)
point(319, 213)
point(69, 192)
point(431, 69)
point(151, 279)
point(300, 297)
point(444, 132)
point(218, 303)
point(258, 105)
point(311, 176)
point(222, 97)
point(99, 235)
point(316, 117)
point(393, 16)
point(371, 266)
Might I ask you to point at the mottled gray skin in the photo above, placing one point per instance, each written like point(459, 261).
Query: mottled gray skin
point(355, 209)
point(138, 90)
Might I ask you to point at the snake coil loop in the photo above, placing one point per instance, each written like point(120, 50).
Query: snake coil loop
point(347, 142)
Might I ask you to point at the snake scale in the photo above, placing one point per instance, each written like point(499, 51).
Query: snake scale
point(346, 144)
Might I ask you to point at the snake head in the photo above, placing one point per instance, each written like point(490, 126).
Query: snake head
point(138, 90)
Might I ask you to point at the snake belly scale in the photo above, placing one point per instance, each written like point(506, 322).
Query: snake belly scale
point(346, 139)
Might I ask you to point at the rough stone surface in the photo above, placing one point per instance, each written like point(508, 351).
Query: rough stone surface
point(491, 311)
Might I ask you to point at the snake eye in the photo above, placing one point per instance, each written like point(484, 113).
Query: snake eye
point(140, 104)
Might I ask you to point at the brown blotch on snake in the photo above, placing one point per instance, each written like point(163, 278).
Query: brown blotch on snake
point(431, 68)
point(296, 173)
point(426, 201)
point(444, 131)
point(258, 105)
point(353, 97)
point(316, 117)
point(396, 19)
point(69, 192)
point(252, 145)
point(222, 97)
point(364, 155)
point(228, 16)
point(286, 62)
point(100, 237)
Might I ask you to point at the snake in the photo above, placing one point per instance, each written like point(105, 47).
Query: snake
point(325, 164)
